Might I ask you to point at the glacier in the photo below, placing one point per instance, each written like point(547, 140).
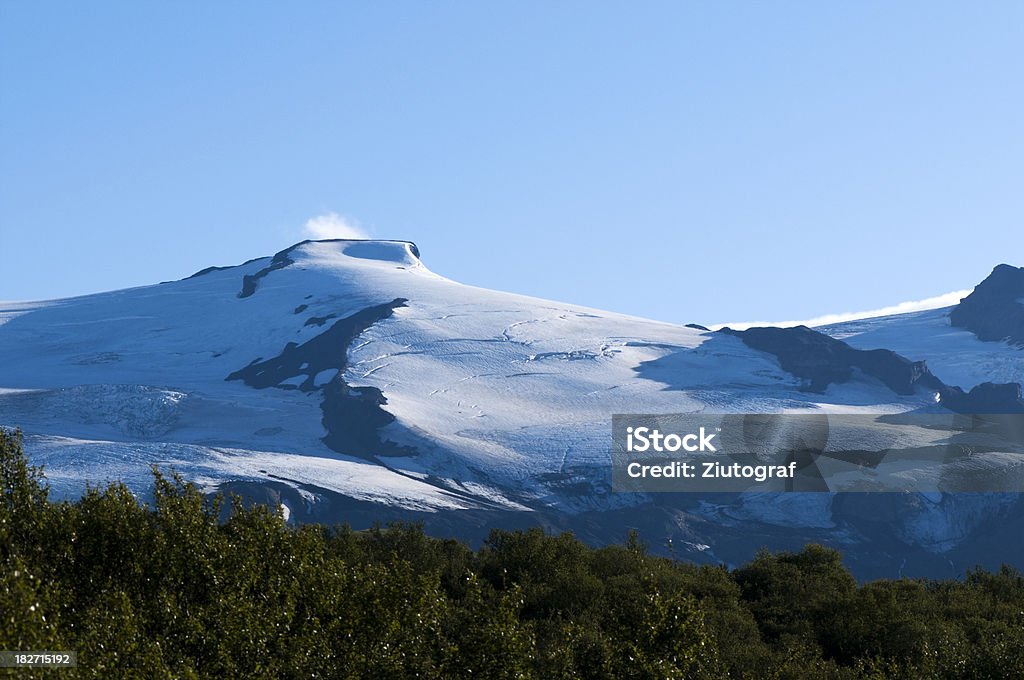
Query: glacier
point(345, 381)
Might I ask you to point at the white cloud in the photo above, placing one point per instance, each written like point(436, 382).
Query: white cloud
point(333, 225)
point(902, 308)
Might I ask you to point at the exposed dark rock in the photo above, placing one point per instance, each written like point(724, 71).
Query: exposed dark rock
point(820, 360)
point(994, 310)
point(319, 320)
point(203, 272)
point(984, 398)
point(697, 326)
point(209, 270)
point(279, 261)
point(351, 415)
point(300, 309)
point(329, 350)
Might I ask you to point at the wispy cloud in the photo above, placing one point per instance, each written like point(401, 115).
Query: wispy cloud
point(333, 225)
point(902, 308)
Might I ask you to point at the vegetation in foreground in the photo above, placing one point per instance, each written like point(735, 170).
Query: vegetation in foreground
point(191, 588)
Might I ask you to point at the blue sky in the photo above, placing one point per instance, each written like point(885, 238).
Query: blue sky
point(685, 161)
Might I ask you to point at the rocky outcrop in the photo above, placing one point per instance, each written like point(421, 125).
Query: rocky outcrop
point(279, 261)
point(352, 416)
point(820, 360)
point(984, 398)
point(995, 309)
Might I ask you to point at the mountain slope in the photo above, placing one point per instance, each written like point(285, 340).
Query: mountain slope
point(346, 381)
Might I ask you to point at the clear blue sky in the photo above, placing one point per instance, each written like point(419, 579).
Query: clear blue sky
point(687, 161)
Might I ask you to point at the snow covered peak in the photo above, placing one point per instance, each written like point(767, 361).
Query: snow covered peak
point(402, 253)
point(344, 257)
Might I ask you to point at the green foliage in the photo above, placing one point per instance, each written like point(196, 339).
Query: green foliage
point(199, 587)
point(794, 594)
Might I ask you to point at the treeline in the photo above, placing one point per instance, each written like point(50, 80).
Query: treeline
point(194, 587)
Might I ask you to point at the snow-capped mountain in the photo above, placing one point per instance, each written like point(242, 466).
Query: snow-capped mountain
point(347, 382)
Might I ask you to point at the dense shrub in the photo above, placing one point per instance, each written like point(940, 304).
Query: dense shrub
point(197, 587)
